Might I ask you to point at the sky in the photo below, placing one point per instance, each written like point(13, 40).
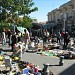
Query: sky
point(45, 6)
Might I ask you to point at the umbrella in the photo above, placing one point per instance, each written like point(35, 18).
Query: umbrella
point(21, 29)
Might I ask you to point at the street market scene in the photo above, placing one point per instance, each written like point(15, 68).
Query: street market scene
point(28, 47)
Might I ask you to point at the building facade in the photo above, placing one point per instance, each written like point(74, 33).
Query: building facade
point(64, 16)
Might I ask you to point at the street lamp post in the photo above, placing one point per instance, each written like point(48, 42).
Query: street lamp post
point(42, 35)
point(65, 16)
point(73, 11)
point(13, 26)
point(64, 25)
point(52, 27)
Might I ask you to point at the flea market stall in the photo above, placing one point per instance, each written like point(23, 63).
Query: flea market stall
point(13, 66)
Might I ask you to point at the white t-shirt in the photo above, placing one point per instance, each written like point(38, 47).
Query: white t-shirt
point(3, 35)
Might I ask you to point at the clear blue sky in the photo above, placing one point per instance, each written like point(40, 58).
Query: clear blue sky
point(45, 6)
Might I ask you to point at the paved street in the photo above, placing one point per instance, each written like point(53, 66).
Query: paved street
point(67, 69)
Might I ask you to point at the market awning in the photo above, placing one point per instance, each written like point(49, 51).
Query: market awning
point(48, 26)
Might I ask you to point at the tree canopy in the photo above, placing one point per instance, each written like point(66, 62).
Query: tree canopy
point(11, 10)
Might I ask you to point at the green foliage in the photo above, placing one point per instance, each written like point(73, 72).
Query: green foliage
point(10, 10)
point(25, 22)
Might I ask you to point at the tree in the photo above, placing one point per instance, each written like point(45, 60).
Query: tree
point(11, 10)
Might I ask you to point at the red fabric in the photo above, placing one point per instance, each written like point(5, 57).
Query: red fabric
point(62, 33)
point(36, 69)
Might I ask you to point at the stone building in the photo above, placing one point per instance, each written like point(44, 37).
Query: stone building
point(64, 16)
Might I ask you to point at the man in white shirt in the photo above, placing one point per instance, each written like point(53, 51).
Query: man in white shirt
point(3, 37)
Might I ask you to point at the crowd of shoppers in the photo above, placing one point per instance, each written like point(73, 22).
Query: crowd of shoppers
point(61, 37)
point(12, 38)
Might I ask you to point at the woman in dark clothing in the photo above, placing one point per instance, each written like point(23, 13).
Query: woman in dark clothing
point(9, 34)
point(13, 40)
